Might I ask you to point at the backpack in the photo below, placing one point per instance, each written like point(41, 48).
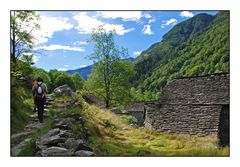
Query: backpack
point(40, 91)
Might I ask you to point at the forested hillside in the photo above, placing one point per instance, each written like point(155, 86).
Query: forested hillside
point(197, 46)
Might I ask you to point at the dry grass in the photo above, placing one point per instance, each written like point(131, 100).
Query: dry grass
point(112, 136)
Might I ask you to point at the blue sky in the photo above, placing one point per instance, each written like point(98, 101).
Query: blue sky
point(61, 43)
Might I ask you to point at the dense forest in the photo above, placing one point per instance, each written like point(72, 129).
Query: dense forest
point(195, 47)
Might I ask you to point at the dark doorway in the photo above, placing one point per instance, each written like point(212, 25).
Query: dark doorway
point(224, 127)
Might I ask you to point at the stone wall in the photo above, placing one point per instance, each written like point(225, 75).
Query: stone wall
point(198, 120)
point(198, 106)
point(212, 89)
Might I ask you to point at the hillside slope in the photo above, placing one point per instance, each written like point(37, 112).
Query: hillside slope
point(197, 46)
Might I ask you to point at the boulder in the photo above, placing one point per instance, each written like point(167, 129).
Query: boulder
point(72, 143)
point(92, 99)
point(84, 153)
point(63, 90)
point(83, 146)
point(55, 151)
point(52, 138)
point(116, 110)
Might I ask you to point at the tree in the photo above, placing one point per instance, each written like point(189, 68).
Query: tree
point(78, 81)
point(108, 67)
point(62, 79)
point(23, 23)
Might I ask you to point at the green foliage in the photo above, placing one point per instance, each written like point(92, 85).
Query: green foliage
point(78, 81)
point(62, 79)
point(137, 95)
point(23, 23)
point(197, 46)
point(110, 77)
point(20, 107)
point(130, 119)
point(121, 74)
point(38, 72)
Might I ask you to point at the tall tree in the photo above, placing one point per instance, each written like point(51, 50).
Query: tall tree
point(106, 55)
point(23, 23)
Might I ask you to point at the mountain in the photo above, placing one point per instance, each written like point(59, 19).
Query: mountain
point(197, 46)
point(85, 71)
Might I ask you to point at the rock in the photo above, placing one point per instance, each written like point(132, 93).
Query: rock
point(83, 146)
point(124, 128)
point(84, 153)
point(51, 138)
point(55, 151)
point(65, 133)
point(17, 138)
point(92, 99)
point(63, 90)
point(116, 110)
point(73, 144)
point(62, 123)
point(18, 148)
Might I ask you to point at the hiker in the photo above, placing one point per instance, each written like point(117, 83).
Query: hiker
point(35, 106)
point(39, 93)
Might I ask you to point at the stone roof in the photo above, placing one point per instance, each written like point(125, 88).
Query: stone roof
point(135, 107)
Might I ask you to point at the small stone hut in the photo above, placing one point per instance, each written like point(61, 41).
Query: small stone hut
point(137, 110)
point(193, 105)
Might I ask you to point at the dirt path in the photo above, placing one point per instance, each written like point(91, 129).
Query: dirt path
point(67, 136)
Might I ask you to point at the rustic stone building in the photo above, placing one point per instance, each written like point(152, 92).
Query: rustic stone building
point(137, 110)
point(193, 105)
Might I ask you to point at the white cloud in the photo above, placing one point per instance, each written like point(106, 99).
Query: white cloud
point(147, 30)
point(79, 43)
point(66, 65)
point(186, 14)
point(137, 53)
point(124, 15)
point(60, 47)
point(35, 58)
point(83, 66)
point(147, 15)
point(86, 23)
point(169, 22)
point(151, 21)
point(62, 69)
point(50, 25)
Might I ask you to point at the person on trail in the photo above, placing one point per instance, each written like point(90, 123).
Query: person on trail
point(35, 106)
point(39, 91)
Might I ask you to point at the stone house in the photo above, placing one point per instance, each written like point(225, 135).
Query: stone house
point(193, 105)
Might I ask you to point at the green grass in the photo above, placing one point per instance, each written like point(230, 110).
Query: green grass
point(126, 140)
point(21, 107)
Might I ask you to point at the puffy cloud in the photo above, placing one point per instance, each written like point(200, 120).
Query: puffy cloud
point(35, 58)
point(169, 22)
point(66, 65)
point(79, 43)
point(86, 23)
point(147, 30)
point(151, 21)
point(50, 25)
point(60, 47)
point(62, 69)
point(186, 14)
point(124, 15)
point(137, 53)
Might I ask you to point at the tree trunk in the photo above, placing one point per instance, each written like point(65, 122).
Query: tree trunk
point(13, 40)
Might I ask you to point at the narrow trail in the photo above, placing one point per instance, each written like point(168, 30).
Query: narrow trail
point(19, 140)
point(66, 137)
